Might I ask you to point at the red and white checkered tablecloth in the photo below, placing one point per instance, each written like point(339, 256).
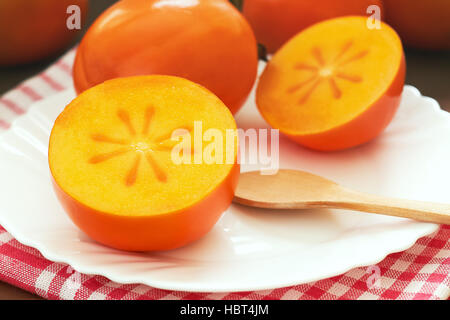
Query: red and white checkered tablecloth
point(421, 272)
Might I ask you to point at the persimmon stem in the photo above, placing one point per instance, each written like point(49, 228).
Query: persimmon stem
point(237, 3)
point(262, 51)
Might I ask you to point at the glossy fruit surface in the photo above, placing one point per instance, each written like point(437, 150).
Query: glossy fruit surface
point(112, 161)
point(335, 85)
point(31, 30)
point(206, 41)
point(276, 21)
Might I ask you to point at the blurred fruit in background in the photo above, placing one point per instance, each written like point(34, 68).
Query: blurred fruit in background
point(31, 30)
point(422, 24)
point(276, 21)
point(206, 41)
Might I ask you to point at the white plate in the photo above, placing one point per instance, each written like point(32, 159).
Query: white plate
point(248, 249)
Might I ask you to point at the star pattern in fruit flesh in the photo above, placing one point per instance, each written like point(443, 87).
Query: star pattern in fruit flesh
point(331, 72)
point(138, 143)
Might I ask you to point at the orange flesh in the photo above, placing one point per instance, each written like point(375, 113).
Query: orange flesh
point(110, 149)
point(328, 75)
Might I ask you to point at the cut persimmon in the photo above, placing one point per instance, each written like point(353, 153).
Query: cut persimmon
point(335, 85)
point(112, 160)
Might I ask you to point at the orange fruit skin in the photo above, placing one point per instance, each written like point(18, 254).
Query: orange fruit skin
point(207, 41)
point(421, 24)
point(31, 30)
point(363, 128)
point(152, 233)
point(276, 21)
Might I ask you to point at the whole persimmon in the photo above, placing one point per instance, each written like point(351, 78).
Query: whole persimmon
point(206, 41)
point(31, 30)
point(276, 21)
point(421, 24)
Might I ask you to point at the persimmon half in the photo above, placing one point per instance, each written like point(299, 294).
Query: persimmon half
point(335, 85)
point(111, 158)
point(206, 41)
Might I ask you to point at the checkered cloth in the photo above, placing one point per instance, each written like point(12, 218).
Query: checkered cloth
point(422, 272)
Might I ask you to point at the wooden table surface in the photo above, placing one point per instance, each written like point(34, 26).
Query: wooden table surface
point(428, 71)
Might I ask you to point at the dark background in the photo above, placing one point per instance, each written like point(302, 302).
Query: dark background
point(427, 71)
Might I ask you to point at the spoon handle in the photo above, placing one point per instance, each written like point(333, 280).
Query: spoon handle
point(417, 210)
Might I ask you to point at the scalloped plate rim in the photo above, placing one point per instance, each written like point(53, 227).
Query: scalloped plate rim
point(117, 277)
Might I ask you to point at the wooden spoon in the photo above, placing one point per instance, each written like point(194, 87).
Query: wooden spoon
point(291, 189)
